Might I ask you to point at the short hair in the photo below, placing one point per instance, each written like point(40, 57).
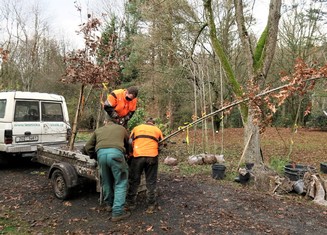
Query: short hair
point(151, 120)
point(133, 90)
point(107, 118)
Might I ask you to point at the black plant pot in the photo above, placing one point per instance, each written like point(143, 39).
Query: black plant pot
point(323, 167)
point(296, 172)
point(249, 166)
point(244, 178)
point(218, 171)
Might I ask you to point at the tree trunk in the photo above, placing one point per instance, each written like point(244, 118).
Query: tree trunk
point(252, 153)
point(258, 63)
point(75, 123)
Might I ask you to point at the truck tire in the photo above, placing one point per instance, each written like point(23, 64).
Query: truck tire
point(59, 185)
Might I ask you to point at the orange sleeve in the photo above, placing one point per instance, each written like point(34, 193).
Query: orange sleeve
point(112, 100)
point(132, 106)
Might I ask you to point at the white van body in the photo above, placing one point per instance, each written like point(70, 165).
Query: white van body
point(31, 118)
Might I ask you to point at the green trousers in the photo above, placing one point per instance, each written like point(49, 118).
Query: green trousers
point(114, 178)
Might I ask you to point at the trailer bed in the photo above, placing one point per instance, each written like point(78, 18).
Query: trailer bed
point(84, 166)
point(67, 168)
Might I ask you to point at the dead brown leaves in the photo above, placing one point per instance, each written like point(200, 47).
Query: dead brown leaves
point(4, 54)
point(98, 62)
point(297, 84)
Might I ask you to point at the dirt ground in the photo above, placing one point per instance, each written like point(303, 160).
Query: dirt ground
point(194, 204)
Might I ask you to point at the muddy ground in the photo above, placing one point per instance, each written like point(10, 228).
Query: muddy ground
point(195, 204)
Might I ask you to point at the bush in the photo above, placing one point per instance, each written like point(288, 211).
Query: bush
point(137, 119)
point(319, 121)
point(278, 163)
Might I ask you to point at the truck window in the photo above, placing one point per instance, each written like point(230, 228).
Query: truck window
point(52, 112)
point(27, 111)
point(2, 108)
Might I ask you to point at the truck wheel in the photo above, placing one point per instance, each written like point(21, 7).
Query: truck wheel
point(59, 185)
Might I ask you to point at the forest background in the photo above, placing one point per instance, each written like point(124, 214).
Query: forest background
point(164, 48)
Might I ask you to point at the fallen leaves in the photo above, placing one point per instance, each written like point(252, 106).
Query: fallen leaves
point(149, 228)
point(74, 220)
point(67, 203)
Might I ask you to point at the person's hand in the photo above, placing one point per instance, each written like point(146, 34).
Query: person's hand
point(114, 115)
point(122, 121)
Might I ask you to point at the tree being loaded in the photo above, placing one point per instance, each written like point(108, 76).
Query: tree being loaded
point(86, 67)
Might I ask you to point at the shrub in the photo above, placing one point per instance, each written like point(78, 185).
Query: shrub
point(278, 163)
point(318, 121)
point(137, 118)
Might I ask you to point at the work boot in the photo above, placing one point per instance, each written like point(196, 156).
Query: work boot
point(117, 218)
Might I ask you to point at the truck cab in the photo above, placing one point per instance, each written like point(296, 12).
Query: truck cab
point(31, 118)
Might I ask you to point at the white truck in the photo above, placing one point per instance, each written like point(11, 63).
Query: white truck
point(28, 119)
point(36, 125)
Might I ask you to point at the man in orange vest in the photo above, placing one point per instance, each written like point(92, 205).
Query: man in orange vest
point(145, 141)
point(121, 104)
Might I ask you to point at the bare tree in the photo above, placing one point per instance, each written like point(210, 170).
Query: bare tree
point(24, 31)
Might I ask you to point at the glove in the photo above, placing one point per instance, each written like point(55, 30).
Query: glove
point(122, 121)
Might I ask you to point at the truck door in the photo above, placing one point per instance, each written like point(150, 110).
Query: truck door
point(26, 125)
point(54, 128)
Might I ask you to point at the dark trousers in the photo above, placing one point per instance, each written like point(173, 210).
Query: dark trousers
point(150, 167)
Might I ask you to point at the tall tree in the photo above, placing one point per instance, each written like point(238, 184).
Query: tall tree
point(162, 47)
point(258, 61)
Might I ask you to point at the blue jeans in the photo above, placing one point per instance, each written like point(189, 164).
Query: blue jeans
point(114, 178)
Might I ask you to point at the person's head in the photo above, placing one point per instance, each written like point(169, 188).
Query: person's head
point(150, 121)
point(131, 93)
point(108, 119)
point(32, 112)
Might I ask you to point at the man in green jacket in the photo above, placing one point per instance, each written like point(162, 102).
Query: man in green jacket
point(109, 144)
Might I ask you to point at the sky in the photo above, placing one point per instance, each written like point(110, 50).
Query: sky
point(64, 18)
point(260, 11)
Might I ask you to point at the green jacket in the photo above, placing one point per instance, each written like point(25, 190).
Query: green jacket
point(109, 136)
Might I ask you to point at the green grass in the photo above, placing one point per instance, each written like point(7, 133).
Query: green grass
point(231, 157)
point(13, 227)
point(11, 224)
point(83, 136)
point(187, 169)
point(183, 168)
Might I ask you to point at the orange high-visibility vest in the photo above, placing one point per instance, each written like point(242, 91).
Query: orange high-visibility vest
point(145, 140)
point(122, 106)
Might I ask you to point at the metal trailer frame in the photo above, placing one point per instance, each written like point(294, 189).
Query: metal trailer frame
point(66, 168)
